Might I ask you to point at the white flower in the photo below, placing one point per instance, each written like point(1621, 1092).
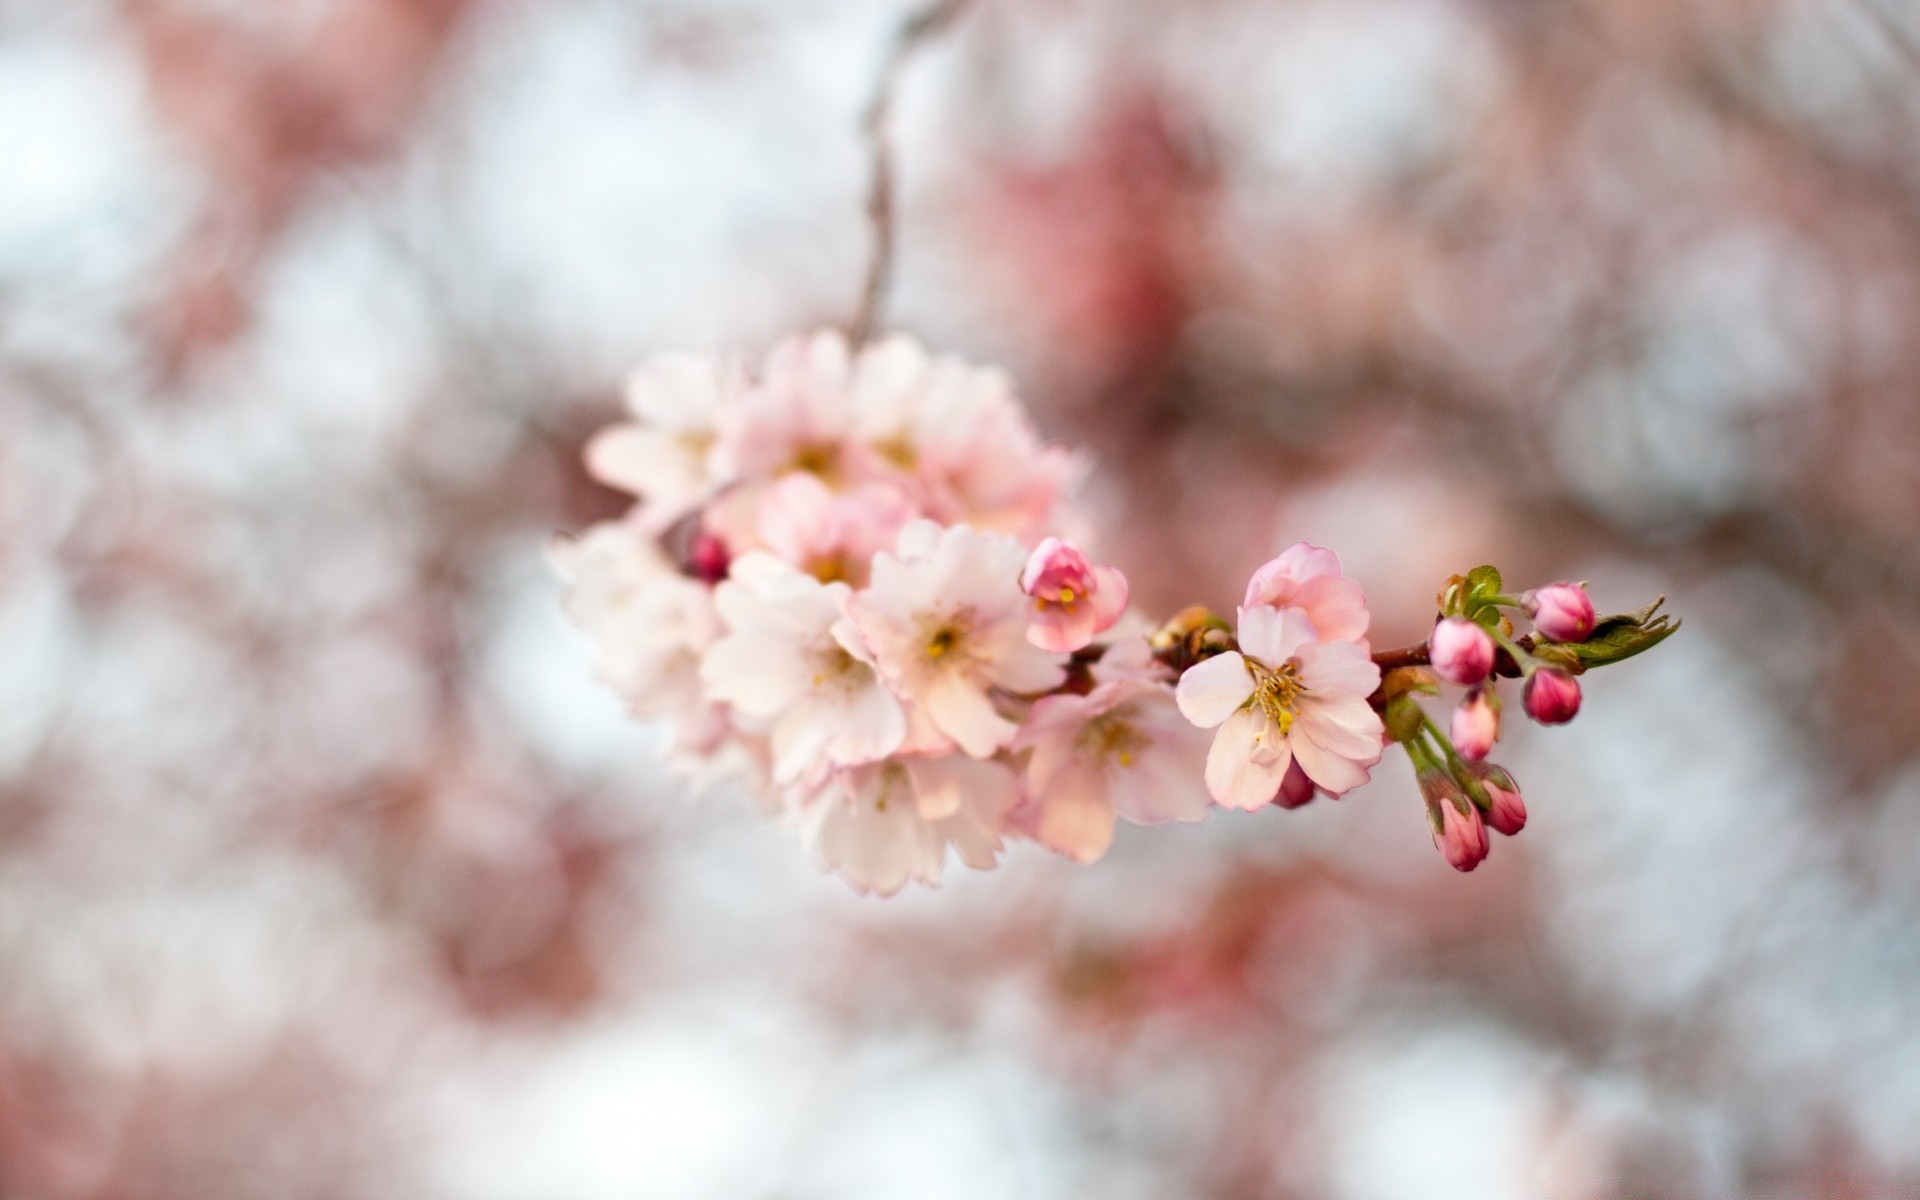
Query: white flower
point(649, 622)
point(947, 623)
point(792, 656)
point(879, 825)
point(1285, 696)
point(1123, 749)
point(670, 454)
point(799, 416)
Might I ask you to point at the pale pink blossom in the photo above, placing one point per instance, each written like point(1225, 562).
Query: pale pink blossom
point(1072, 599)
point(1561, 611)
point(1552, 696)
point(1122, 749)
point(831, 536)
point(1458, 831)
point(958, 435)
point(1476, 724)
point(1308, 578)
point(799, 416)
point(880, 825)
point(1284, 697)
point(649, 623)
point(670, 453)
point(792, 656)
point(947, 623)
point(1461, 651)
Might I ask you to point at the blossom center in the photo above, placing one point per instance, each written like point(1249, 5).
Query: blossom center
point(818, 458)
point(834, 668)
point(944, 638)
point(1277, 691)
point(1112, 738)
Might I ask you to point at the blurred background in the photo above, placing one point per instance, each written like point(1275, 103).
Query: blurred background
point(327, 871)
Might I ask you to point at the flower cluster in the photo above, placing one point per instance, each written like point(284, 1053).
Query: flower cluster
point(851, 579)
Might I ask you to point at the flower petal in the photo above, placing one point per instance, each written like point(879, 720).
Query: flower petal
point(963, 713)
point(1076, 818)
point(1274, 635)
point(1210, 691)
point(1248, 761)
point(1331, 771)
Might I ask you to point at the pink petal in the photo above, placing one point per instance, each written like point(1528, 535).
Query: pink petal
point(1210, 691)
point(1342, 668)
point(1273, 636)
point(1109, 598)
point(1334, 773)
point(1060, 631)
point(1337, 606)
point(1075, 816)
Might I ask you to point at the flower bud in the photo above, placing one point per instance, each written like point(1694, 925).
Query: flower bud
point(1476, 724)
point(1552, 696)
point(1296, 789)
point(707, 558)
point(1458, 831)
point(1508, 812)
point(1560, 611)
point(1072, 599)
point(1461, 651)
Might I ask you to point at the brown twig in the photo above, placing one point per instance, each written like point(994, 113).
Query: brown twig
point(881, 187)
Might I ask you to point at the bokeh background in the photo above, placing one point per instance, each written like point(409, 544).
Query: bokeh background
point(327, 872)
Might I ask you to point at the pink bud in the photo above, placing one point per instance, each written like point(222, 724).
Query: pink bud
point(1561, 611)
point(707, 558)
point(1073, 599)
point(1458, 831)
point(1476, 724)
point(1508, 812)
point(1296, 789)
point(1461, 651)
point(1552, 696)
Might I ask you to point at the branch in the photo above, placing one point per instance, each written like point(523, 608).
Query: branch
point(914, 33)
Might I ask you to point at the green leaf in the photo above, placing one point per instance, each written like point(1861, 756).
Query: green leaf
point(1614, 639)
point(1483, 583)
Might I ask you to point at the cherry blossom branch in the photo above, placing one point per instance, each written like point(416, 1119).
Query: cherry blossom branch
point(914, 33)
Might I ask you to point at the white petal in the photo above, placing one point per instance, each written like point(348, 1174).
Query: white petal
point(963, 713)
point(756, 674)
point(870, 726)
point(1210, 691)
point(1248, 760)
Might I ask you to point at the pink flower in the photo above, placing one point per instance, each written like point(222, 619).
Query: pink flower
point(947, 622)
point(879, 825)
point(1461, 651)
point(1296, 790)
point(1508, 812)
point(1552, 696)
point(1458, 831)
point(831, 537)
point(799, 416)
point(958, 436)
point(791, 656)
point(1476, 724)
point(669, 454)
point(1122, 749)
point(1561, 611)
point(1284, 697)
point(1308, 578)
point(1072, 599)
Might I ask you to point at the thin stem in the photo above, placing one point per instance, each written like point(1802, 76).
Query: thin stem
point(914, 33)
